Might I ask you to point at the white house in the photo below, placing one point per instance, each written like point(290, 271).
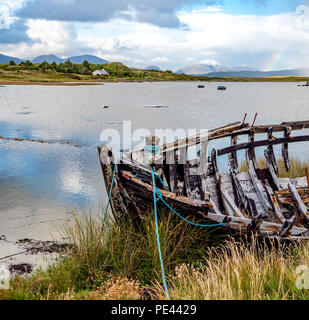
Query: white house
point(101, 72)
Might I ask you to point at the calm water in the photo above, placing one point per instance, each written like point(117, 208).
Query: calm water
point(40, 183)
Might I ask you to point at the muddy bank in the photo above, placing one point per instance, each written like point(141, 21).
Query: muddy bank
point(20, 269)
point(45, 247)
point(42, 141)
point(29, 255)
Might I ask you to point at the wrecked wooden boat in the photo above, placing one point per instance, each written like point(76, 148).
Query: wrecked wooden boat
point(252, 201)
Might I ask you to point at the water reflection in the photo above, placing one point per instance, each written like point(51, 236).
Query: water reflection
point(37, 179)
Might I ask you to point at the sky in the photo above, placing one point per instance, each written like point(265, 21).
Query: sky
point(264, 34)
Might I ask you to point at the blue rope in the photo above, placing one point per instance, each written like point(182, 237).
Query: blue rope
point(194, 224)
point(111, 189)
point(158, 237)
point(163, 184)
point(153, 149)
point(157, 195)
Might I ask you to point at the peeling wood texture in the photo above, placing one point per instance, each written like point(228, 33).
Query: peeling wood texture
point(285, 149)
point(256, 201)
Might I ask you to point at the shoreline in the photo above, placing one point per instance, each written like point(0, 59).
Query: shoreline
point(98, 83)
point(48, 83)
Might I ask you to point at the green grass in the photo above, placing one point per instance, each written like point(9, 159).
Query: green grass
point(103, 249)
point(298, 168)
point(17, 73)
point(120, 261)
point(117, 261)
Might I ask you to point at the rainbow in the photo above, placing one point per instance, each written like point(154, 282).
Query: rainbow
point(275, 57)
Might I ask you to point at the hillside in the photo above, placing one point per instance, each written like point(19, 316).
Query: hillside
point(28, 72)
point(68, 72)
point(74, 59)
point(259, 74)
point(7, 59)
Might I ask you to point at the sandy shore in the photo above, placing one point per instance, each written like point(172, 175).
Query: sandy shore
point(49, 83)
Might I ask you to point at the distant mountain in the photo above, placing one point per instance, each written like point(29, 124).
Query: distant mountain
point(200, 68)
point(7, 59)
point(152, 68)
point(48, 58)
point(89, 58)
point(75, 59)
point(303, 72)
point(242, 68)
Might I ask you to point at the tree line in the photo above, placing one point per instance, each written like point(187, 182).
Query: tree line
point(116, 69)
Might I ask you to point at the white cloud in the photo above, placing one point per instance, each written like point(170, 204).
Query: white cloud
point(211, 35)
point(160, 60)
point(114, 57)
point(210, 62)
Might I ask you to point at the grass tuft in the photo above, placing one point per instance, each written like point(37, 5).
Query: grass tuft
point(298, 168)
point(238, 271)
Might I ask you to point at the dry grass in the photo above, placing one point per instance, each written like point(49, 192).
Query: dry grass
point(237, 271)
point(298, 168)
point(117, 288)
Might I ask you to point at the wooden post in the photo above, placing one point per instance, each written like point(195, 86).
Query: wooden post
point(307, 175)
point(152, 147)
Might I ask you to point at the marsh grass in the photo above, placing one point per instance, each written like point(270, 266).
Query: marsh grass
point(120, 261)
point(112, 260)
point(298, 168)
point(103, 249)
point(238, 271)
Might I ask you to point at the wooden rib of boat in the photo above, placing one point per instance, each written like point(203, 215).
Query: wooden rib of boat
point(256, 200)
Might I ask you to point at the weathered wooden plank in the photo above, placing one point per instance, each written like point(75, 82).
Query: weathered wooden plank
point(117, 203)
point(234, 140)
point(271, 170)
point(285, 196)
point(267, 228)
point(217, 180)
point(172, 164)
point(286, 228)
point(235, 129)
point(255, 225)
point(193, 181)
point(204, 158)
point(262, 129)
point(271, 152)
point(285, 149)
point(301, 208)
point(230, 205)
point(276, 212)
point(251, 151)
point(205, 136)
point(296, 125)
point(168, 195)
point(262, 143)
point(241, 199)
point(303, 124)
point(255, 181)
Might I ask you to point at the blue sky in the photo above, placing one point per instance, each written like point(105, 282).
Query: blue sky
point(169, 33)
